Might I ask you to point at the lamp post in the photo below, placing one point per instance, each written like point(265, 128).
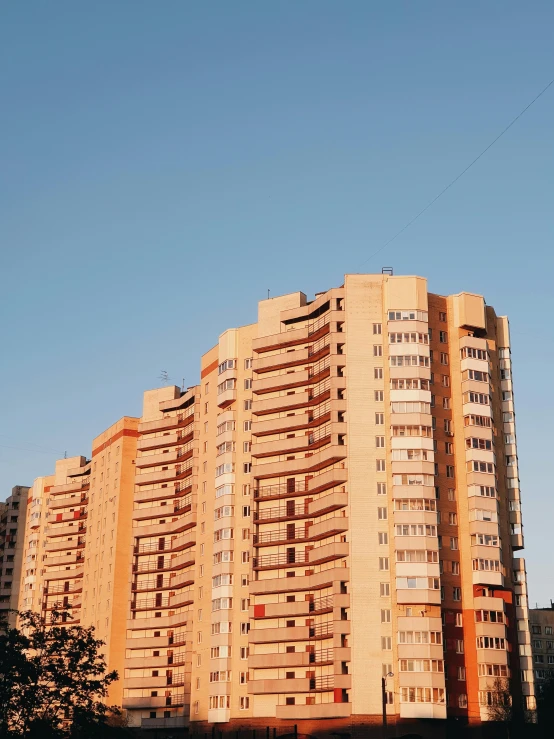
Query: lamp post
point(384, 700)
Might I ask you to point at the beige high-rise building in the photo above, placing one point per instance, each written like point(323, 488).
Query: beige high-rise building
point(12, 534)
point(76, 548)
point(337, 502)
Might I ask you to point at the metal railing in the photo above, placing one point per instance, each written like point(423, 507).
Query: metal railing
point(323, 682)
point(163, 545)
point(280, 560)
point(281, 512)
point(318, 324)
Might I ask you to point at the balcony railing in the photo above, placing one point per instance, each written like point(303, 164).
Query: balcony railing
point(318, 325)
point(322, 656)
point(280, 560)
point(323, 682)
point(283, 489)
point(289, 511)
point(163, 546)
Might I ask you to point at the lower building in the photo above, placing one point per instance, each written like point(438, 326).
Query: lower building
point(542, 642)
point(12, 533)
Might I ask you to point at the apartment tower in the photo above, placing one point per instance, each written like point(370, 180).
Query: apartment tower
point(76, 542)
point(12, 532)
point(335, 503)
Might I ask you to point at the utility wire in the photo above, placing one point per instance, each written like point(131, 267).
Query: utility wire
point(462, 173)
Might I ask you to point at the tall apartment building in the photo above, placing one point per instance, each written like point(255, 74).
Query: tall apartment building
point(337, 501)
point(12, 530)
point(76, 548)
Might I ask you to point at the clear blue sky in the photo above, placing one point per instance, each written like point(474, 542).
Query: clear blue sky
point(163, 164)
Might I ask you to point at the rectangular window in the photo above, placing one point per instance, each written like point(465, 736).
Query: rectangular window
point(382, 514)
point(443, 337)
point(380, 442)
point(379, 395)
point(378, 373)
point(381, 488)
point(383, 537)
point(377, 350)
point(380, 465)
point(379, 419)
point(377, 328)
point(383, 564)
point(246, 446)
point(385, 616)
point(456, 594)
point(386, 643)
point(384, 589)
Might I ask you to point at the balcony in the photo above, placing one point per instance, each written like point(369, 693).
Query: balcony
point(317, 555)
point(315, 606)
point(310, 463)
point(311, 532)
point(163, 583)
point(300, 659)
point(175, 722)
point(305, 442)
point(176, 472)
point(292, 337)
point(418, 595)
point(319, 684)
point(154, 701)
point(64, 546)
point(318, 711)
point(311, 418)
point(297, 583)
point(317, 484)
point(162, 546)
point(324, 630)
point(156, 565)
point(177, 600)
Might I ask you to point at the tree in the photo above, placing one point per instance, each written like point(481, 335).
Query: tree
point(545, 705)
point(52, 680)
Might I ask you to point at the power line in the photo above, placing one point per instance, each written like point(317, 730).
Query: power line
point(462, 173)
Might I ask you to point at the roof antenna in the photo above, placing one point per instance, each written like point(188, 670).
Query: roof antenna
point(65, 455)
point(164, 377)
point(268, 293)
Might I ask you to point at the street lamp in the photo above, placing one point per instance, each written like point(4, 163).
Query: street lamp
point(384, 699)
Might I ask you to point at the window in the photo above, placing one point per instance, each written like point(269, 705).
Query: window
point(448, 447)
point(454, 542)
point(442, 317)
point(379, 441)
point(453, 519)
point(248, 363)
point(456, 594)
point(385, 616)
point(247, 468)
point(380, 465)
point(248, 383)
point(248, 405)
point(408, 315)
point(443, 337)
point(378, 373)
point(383, 537)
point(382, 514)
point(377, 328)
point(379, 395)
point(379, 419)
point(383, 564)
point(244, 702)
point(384, 589)
point(247, 446)
point(244, 652)
point(449, 470)
point(445, 381)
point(422, 695)
point(446, 403)
point(381, 488)
point(443, 358)
point(377, 350)
point(386, 643)
point(247, 426)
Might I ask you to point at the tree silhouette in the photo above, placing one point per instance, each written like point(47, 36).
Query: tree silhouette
point(52, 680)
